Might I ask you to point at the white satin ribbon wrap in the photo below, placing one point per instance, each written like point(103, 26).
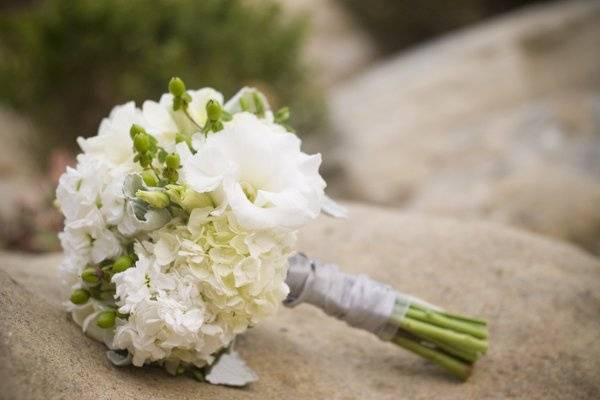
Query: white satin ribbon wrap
point(356, 299)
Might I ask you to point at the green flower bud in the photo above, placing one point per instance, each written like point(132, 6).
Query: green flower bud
point(192, 199)
point(90, 275)
point(106, 319)
point(94, 292)
point(122, 263)
point(177, 103)
point(80, 296)
point(155, 199)
point(145, 160)
point(106, 295)
point(180, 137)
point(176, 87)
point(172, 161)
point(171, 174)
point(150, 177)
point(282, 115)
point(142, 142)
point(258, 103)
point(162, 155)
point(244, 105)
point(213, 110)
point(217, 126)
point(136, 129)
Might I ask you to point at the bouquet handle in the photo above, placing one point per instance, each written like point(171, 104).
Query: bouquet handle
point(453, 341)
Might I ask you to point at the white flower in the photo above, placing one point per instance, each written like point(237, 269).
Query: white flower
point(260, 172)
point(113, 142)
point(160, 121)
point(88, 238)
point(94, 184)
point(70, 270)
point(139, 284)
point(79, 189)
point(195, 287)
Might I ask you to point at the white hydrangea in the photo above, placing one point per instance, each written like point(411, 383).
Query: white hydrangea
point(196, 286)
point(210, 267)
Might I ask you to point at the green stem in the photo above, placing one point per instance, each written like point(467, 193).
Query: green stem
point(187, 114)
point(456, 367)
point(452, 316)
point(442, 321)
point(458, 340)
point(467, 356)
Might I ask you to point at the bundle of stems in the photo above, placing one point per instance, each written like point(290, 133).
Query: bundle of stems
point(454, 342)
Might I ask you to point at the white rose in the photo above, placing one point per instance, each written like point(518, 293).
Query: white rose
point(259, 171)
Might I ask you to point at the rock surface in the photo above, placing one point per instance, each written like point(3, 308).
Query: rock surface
point(541, 298)
point(17, 168)
point(461, 125)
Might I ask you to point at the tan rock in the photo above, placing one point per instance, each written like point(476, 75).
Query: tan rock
point(17, 167)
point(444, 126)
point(540, 296)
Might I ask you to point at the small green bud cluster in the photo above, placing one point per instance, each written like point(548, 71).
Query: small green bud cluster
point(252, 102)
point(144, 145)
point(282, 117)
point(106, 319)
point(181, 99)
point(80, 296)
point(96, 284)
point(172, 163)
point(168, 173)
point(215, 116)
point(96, 280)
point(122, 263)
point(160, 167)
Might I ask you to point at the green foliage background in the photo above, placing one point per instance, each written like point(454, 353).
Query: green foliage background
point(66, 63)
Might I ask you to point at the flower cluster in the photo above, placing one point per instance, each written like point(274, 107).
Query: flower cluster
point(179, 221)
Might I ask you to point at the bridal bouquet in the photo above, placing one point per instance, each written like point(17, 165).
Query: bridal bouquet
point(180, 232)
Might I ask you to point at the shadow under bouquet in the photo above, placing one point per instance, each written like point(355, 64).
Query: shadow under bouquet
point(180, 234)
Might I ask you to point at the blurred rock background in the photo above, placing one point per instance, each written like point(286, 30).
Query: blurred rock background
point(475, 109)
